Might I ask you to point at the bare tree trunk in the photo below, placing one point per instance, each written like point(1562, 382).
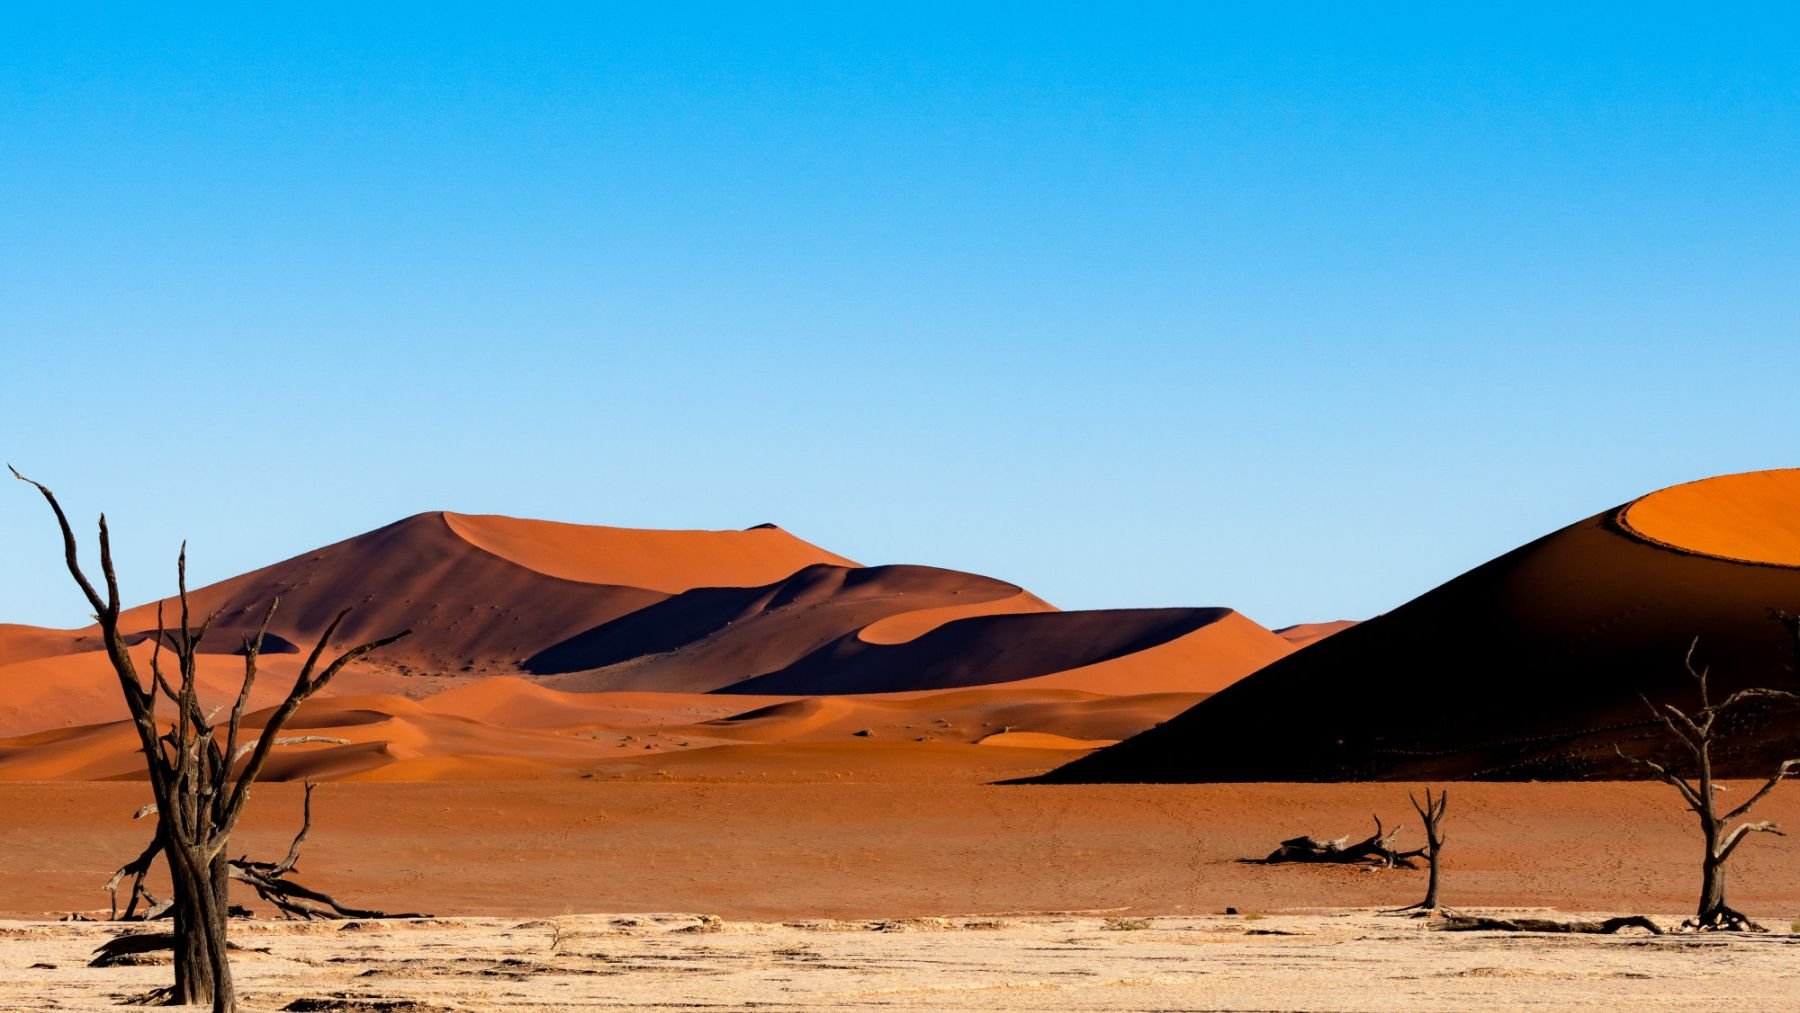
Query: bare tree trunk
point(1712, 886)
point(202, 962)
point(196, 974)
point(1432, 813)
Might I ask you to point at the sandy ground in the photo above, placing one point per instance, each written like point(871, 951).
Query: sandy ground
point(775, 852)
point(1317, 961)
point(927, 895)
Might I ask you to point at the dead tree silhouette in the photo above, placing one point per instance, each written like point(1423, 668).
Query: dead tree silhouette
point(200, 774)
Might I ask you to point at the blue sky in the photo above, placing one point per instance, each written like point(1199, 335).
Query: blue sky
point(1300, 312)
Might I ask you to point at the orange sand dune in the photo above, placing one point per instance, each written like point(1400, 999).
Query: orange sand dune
point(667, 561)
point(1527, 667)
point(508, 727)
point(1204, 661)
point(904, 626)
point(77, 689)
point(380, 731)
point(27, 643)
point(1751, 517)
point(1302, 634)
point(517, 702)
point(715, 638)
point(469, 609)
point(988, 649)
point(642, 624)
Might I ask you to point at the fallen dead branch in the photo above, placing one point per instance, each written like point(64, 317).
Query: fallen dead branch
point(1377, 849)
point(1477, 923)
point(269, 880)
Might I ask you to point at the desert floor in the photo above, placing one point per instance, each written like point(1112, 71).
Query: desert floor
point(776, 852)
point(1359, 960)
point(991, 897)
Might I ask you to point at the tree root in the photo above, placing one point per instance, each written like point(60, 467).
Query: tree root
point(1725, 919)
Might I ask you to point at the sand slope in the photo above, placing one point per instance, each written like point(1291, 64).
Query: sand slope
point(540, 649)
point(1529, 666)
point(1302, 634)
point(505, 728)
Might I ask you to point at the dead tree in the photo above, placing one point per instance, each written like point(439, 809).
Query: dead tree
point(1376, 849)
point(200, 774)
point(1432, 812)
point(1696, 734)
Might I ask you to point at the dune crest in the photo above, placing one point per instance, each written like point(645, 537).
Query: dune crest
point(1302, 634)
point(1752, 517)
point(666, 561)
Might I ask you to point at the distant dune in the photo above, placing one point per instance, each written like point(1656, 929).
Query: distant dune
point(1302, 634)
point(543, 649)
point(1528, 667)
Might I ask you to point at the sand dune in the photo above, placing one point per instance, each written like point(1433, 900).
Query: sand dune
point(667, 561)
point(1529, 666)
point(1206, 660)
point(713, 638)
point(1750, 517)
point(540, 649)
point(509, 727)
point(1302, 634)
point(997, 648)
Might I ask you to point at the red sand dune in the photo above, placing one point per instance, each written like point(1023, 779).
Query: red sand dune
point(1529, 666)
point(667, 561)
point(541, 648)
point(1302, 634)
point(1751, 517)
point(718, 637)
point(507, 728)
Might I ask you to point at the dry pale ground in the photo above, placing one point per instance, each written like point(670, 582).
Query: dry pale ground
point(1317, 961)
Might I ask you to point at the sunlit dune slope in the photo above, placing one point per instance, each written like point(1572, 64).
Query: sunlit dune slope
point(1302, 634)
point(990, 649)
point(480, 593)
point(1753, 517)
point(539, 647)
point(666, 561)
point(1529, 666)
point(712, 638)
point(507, 727)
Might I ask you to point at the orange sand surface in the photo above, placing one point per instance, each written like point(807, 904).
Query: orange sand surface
point(786, 851)
point(1752, 517)
point(904, 626)
point(506, 727)
point(668, 561)
point(593, 608)
point(1302, 634)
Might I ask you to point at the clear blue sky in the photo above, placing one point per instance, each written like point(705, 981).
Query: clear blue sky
point(1301, 313)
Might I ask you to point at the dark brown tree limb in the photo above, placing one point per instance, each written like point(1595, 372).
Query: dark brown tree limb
point(1476, 923)
point(1376, 849)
